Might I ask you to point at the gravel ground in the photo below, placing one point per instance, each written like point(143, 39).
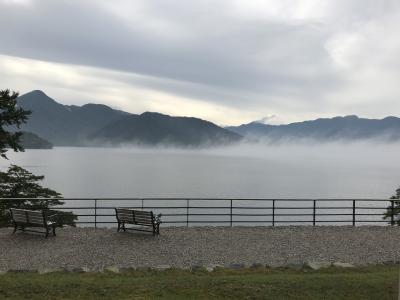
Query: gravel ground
point(96, 249)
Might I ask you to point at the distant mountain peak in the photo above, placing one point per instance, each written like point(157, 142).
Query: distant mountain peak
point(37, 92)
point(95, 106)
point(153, 114)
point(351, 117)
point(36, 96)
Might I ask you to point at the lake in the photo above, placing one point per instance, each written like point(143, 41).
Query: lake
point(333, 170)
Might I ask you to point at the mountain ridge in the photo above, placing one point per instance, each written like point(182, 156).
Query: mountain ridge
point(97, 124)
point(30, 140)
point(165, 130)
point(349, 127)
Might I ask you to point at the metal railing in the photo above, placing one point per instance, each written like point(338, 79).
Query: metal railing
point(231, 212)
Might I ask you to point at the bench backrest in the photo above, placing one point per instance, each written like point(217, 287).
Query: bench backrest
point(28, 216)
point(139, 217)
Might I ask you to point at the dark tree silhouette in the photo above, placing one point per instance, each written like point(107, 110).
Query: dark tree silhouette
point(10, 115)
point(17, 182)
point(393, 210)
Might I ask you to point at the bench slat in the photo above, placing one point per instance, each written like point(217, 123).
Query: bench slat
point(35, 217)
point(125, 214)
point(18, 214)
point(143, 219)
point(120, 210)
point(36, 221)
point(146, 214)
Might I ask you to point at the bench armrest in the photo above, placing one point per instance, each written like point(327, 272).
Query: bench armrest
point(158, 219)
point(53, 218)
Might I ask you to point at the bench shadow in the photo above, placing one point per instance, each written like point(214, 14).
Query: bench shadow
point(21, 235)
point(135, 235)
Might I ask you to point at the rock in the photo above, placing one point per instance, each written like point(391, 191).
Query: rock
point(237, 266)
point(76, 270)
point(162, 267)
point(213, 267)
point(317, 265)
point(275, 265)
point(257, 266)
point(198, 268)
point(112, 269)
point(342, 265)
point(21, 271)
point(49, 270)
point(126, 269)
point(143, 269)
point(294, 265)
point(87, 270)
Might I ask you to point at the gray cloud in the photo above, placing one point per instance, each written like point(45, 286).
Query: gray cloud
point(214, 51)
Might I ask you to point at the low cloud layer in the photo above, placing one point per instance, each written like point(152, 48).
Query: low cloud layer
point(227, 61)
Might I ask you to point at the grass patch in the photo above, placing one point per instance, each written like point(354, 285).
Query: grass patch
point(378, 282)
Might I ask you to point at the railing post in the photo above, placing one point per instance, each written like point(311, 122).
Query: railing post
point(273, 212)
point(354, 212)
point(142, 204)
point(392, 213)
point(231, 213)
point(314, 209)
point(95, 213)
point(187, 212)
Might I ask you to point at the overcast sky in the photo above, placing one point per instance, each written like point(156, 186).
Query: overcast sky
point(228, 61)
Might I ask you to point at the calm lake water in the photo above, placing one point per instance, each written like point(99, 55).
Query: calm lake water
point(357, 170)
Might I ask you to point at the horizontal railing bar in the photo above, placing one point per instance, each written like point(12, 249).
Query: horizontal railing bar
point(348, 207)
point(209, 207)
point(208, 199)
point(239, 221)
point(242, 215)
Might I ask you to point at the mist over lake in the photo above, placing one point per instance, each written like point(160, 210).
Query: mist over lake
point(339, 170)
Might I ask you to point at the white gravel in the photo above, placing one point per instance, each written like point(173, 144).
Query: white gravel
point(96, 249)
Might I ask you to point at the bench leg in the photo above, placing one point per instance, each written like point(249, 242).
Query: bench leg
point(54, 230)
point(119, 226)
point(123, 226)
point(15, 228)
point(156, 229)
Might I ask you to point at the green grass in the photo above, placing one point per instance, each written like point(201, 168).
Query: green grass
point(378, 282)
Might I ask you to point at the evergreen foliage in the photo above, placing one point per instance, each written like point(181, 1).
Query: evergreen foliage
point(395, 210)
point(16, 183)
point(10, 115)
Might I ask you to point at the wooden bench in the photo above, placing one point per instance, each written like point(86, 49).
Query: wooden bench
point(23, 218)
point(138, 217)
